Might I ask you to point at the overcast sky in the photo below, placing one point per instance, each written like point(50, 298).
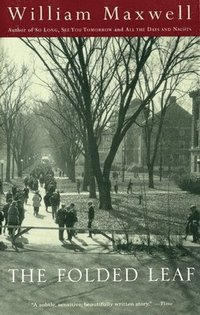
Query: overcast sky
point(21, 54)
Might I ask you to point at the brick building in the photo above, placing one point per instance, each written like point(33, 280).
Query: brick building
point(174, 146)
point(175, 140)
point(195, 142)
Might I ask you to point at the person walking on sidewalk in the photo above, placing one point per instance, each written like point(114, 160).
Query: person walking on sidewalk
point(5, 212)
point(60, 220)
point(14, 191)
point(13, 218)
point(90, 217)
point(26, 194)
point(70, 221)
point(36, 203)
point(47, 200)
point(73, 209)
point(9, 196)
point(54, 204)
point(1, 221)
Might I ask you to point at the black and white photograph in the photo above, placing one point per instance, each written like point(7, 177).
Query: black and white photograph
point(100, 175)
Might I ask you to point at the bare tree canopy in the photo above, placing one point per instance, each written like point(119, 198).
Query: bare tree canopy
point(99, 76)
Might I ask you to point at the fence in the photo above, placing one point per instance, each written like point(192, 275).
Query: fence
point(112, 233)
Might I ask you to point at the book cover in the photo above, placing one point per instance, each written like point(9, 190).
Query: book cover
point(99, 120)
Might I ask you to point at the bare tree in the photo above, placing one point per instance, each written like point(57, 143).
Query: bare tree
point(101, 77)
point(61, 128)
point(154, 114)
point(11, 102)
point(24, 140)
point(9, 77)
point(75, 134)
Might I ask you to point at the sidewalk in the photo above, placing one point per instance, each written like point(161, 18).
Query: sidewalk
point(81, 243)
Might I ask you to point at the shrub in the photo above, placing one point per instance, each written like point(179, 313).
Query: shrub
point(187, 183)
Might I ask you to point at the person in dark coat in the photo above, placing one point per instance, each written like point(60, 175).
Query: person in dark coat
point(41, 180)
point(5, 211)
point(52, 187)
point(90, 216)
point(19, 195)
point(35, 184)
point(9, 195)
point(26, 194)
point(58, 193)
point(54, 201)
point(194, 223)
point(60, 220)
point(188, 225)
point(26, 181)
point(31, 182)
point(20, 207)
point(13, 218)
point(73, 209)
point(14, 191)
point(47, 200)
point(1, 220)
point(70, 221)
point(130, 187)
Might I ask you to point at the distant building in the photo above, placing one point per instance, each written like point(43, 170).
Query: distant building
point(175, 141)
point(125, 149)
point(195, 145)
point(174, 145)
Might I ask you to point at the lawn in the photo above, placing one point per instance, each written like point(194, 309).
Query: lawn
point(160, 206)
point(163, 207)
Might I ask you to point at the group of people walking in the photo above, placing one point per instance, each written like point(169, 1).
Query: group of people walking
point(52, 197)
point(13, 213)
point(66, 217)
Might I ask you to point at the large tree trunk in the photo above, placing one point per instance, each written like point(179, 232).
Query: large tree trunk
point(92, 187)
point(8, 161)
point(13, 167)
point(92, 183)
point(86, 178)
point(89, 178)
point(102, 180)
point(105, 196)
point(150, 174)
